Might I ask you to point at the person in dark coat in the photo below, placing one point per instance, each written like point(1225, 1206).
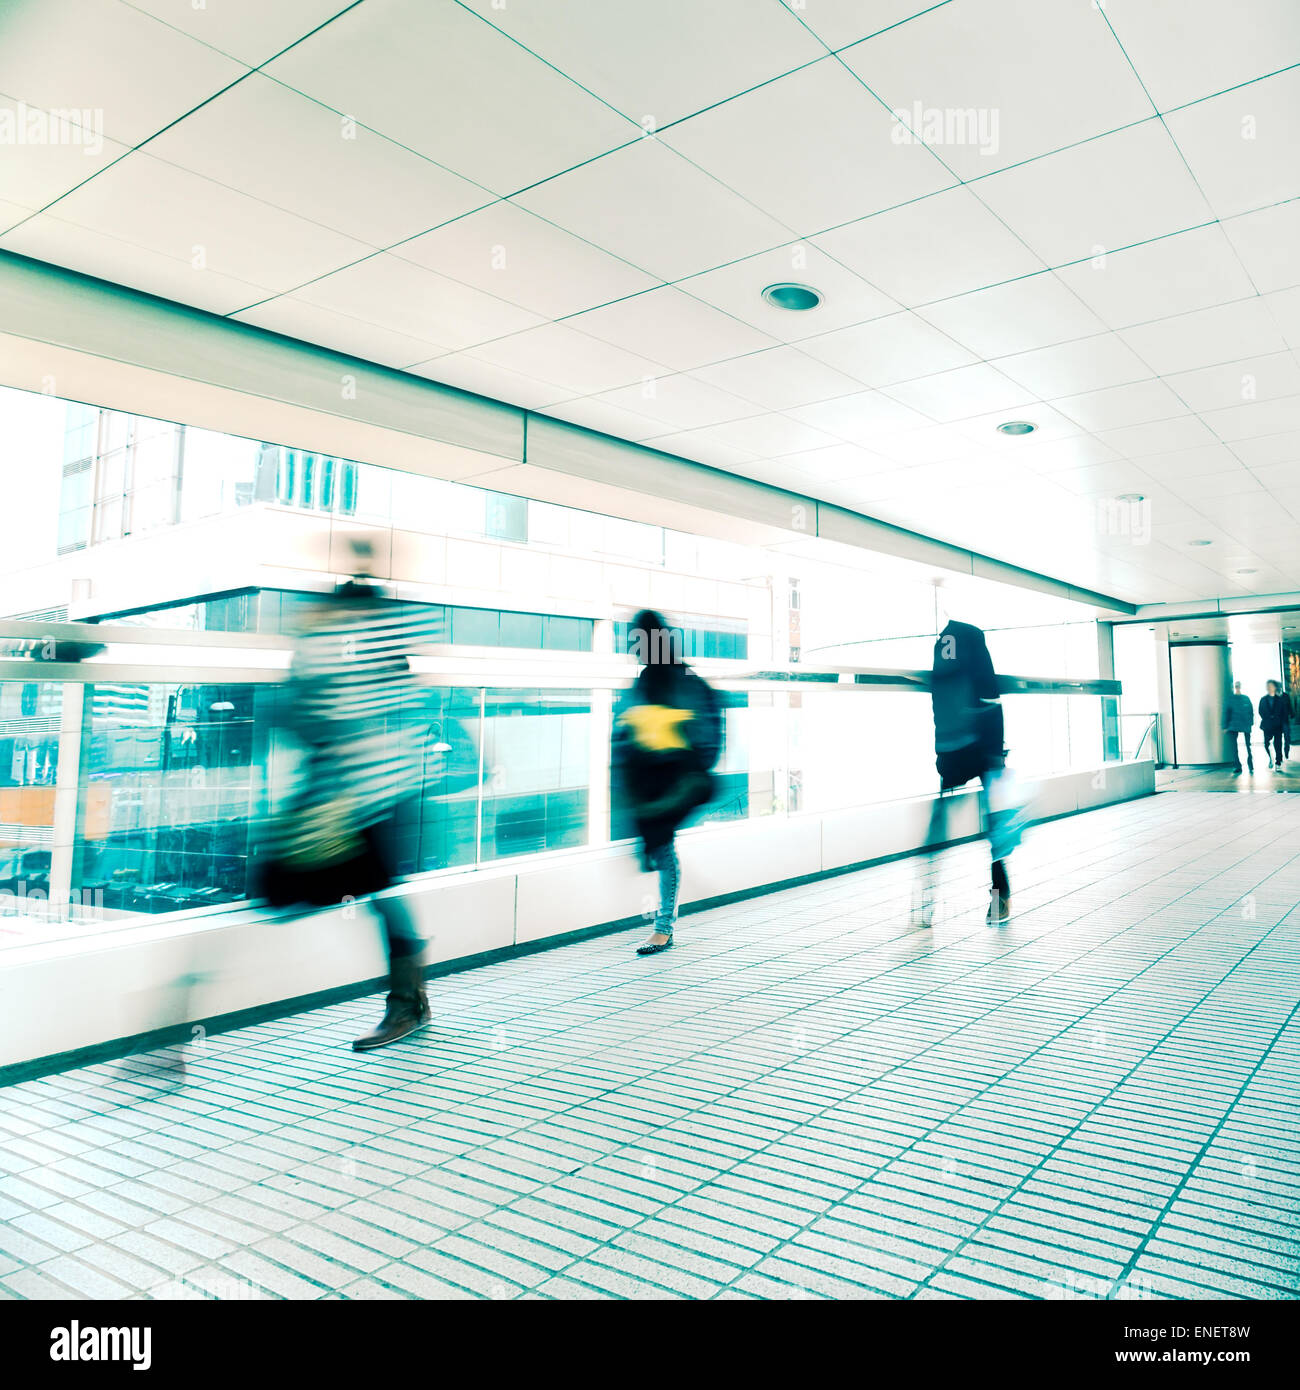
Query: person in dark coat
point(1238, 720)
point(667, 738)
point(968, 744)
point(354, 706)
point(1275, 720)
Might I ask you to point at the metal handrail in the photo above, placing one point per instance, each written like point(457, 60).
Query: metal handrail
point(438, 664)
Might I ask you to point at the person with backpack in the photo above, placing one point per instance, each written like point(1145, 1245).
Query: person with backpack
point(968, 743)
point(1275, 720)
point(354, 707)
point(1238, 720)
point(667, 737)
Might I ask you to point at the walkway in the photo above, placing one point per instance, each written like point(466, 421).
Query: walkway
point(803, 1099)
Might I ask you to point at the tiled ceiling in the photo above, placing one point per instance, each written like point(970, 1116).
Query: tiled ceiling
point(1087, 218)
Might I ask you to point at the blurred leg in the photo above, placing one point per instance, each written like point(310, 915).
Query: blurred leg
point(407, 1007)
point(925, 888)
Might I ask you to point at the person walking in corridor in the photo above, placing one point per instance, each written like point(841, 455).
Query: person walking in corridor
point(968, 744)
point(1238, 720)
point(1275, 721)
point(667, 738)
point(349, 831)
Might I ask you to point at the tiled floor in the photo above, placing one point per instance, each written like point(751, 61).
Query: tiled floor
point(804, 1099)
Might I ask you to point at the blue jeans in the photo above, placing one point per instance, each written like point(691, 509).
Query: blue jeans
point(665, 860)
point(1243, 734)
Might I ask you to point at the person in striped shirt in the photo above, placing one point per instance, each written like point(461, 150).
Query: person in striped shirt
point(353, 704)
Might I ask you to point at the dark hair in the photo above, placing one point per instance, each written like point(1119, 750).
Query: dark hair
point(1277, 685)
point(653, 640)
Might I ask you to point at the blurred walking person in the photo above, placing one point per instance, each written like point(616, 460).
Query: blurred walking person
point(968, 744)
point(349, 830)
point(667, 738)
point(1275, 721)
point(1238, 720)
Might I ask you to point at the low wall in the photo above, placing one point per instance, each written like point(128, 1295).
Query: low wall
point(179, 972)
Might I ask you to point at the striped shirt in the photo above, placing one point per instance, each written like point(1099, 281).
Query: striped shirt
point(354, 700)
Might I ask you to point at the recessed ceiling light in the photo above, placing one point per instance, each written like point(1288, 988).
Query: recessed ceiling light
point(1130, 497)
point(796, 298)
point(1016, 427)
point(1200, 542)
point(1247, 571)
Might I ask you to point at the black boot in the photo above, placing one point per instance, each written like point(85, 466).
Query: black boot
point(999, 893)
point(407, 1006)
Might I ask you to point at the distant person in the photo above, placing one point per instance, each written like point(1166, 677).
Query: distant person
point(1238, 720)
point(968, 744)
point(353, 704)
point(667, 738)
point(1275, 721)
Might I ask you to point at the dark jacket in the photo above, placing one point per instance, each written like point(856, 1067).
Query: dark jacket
point(667, 738)
point(1274, 713)
point(966, 702)
point(1238, 716)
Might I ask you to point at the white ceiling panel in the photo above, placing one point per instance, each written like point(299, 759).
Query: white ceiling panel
point(583, 365)
point(1266, 241)
point(655, 209)
point(319, 165)
point(778, 378)
point(956, 395)
point(770, 436)
point(595, 414)
point(1192, 270)
point(672, 328)
point(1237, 383)
point(419, 303)
point(1002, 61)
point(868, 418)
point(759, 145)
point(837, 463)
point(680, 402)
point(1035, 312)
point(1116, 406)
point(1283, 309)
point(1187, 49)
point(1242, 145)
point(250, 30)
point(887, 350)
point(1158, 436)
point(514, 255)
point(1269, 450)
point(1103, 194)
point(839, 23)
point(311, 323)
point(1206, 337)
point(469, 373)
point(660, 62)
point(435, 77)
point(159, 207)
point(1189, 463)
point(1089, 364)
point(702, 446)
point(738, 290)
point(1258, 418)
point(131, 74)
point(932, 249)
point(45, 156)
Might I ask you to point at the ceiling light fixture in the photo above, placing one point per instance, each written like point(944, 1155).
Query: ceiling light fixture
point(1016, 427)
point(1200, 542)
point(1247, 571)
point(1130, 497)
point(796, 298)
